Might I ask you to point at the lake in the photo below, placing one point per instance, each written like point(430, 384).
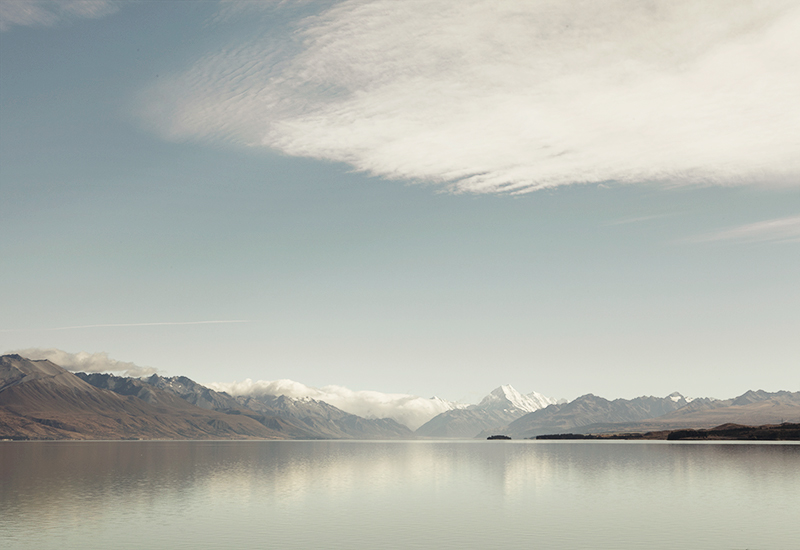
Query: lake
point(409, 494)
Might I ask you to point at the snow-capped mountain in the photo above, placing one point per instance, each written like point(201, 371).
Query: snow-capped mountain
point(502, 406)
point(506, 397)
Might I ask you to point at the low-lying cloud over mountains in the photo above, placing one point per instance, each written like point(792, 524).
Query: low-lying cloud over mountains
point(336, 411)
point(41, 400)
point(410, 410)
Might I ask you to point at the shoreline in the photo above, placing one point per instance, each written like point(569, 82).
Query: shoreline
point(726, 432)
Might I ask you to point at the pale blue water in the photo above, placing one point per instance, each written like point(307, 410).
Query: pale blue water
point(380, 495)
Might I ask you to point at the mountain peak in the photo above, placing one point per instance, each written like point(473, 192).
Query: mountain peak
point(676, 397)
point(506, 397)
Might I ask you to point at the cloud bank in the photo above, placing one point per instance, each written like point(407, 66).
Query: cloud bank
point(43, 13)
point(486, 96)
point(86, 362)
point(406, 409)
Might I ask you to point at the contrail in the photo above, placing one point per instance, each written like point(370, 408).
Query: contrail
point(137, 325)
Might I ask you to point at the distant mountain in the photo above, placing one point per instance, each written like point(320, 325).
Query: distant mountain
point(591, 410)
point(590, 414)
point(40, 400)
point(194, 393)
point(410, 410)
point(758, 396)
point(326, 420)
point(155, 395)
point(750, 408)
point(502, 406)
point(466, 423)
point(296, 418)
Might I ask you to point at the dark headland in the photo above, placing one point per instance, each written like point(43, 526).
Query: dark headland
point(734, 432)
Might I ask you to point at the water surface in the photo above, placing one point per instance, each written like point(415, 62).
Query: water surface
point(381, 495)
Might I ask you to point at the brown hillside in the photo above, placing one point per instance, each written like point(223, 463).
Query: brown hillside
point(40, 400)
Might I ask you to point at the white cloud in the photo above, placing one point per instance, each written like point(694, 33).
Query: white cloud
point(43, 13)
point(487, 96)
point(410, 410)
point(781, 230)
point(86, 362)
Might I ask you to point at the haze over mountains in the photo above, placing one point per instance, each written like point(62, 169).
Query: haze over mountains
point(495, 411)
point(410, 410)
point(41, 400)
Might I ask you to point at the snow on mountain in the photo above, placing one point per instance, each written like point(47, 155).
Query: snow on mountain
point(542, 400)
point(675, 396)
point(506, 397)
point(496, 410)
point(410, 410)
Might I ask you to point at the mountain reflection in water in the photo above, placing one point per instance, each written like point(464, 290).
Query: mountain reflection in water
point(348, 494)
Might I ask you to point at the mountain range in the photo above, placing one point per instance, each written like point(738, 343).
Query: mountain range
point(496, 410)
point(591, 410)
point(41, 400)
point(302, 418)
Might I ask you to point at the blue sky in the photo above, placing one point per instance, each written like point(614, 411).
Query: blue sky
point(407, 197)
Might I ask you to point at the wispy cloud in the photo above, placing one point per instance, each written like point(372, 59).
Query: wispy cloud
point(483, 96)
point(637, 219)
point(113, 325)
point(410, 410)
point(44, 13)
point(781, 230)
point(168, 323)
point(86, 362)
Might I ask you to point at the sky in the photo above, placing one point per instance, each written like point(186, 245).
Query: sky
point(424, 198)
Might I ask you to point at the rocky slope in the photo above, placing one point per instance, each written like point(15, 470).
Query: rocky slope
point(155, 395)
point(40, 400)
point(295, 418)
point(326, 420)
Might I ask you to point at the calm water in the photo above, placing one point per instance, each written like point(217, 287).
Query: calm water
point(377, 495)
